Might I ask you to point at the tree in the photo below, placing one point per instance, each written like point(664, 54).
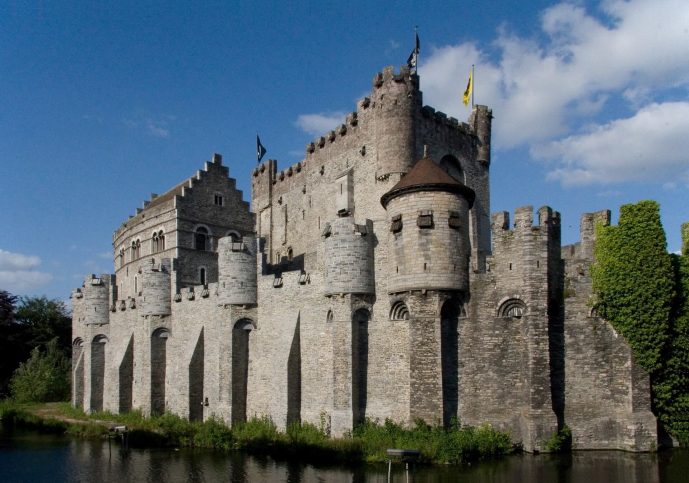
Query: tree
point(43, 320)
point(27, 323)
point(43, 377)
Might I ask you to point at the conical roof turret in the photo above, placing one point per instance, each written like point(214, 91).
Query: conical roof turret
point(426, 175)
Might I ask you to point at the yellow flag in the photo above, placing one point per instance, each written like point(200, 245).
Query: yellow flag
point(470, 86)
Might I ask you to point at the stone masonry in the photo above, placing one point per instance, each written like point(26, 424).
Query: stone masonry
point(363, 283)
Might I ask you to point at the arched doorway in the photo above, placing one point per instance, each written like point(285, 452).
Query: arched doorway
point(98, 346)
point(158, 369)
point(360, 320)
point(449, 351)
point(240, 368)
point(78, 373)
point(126, 378)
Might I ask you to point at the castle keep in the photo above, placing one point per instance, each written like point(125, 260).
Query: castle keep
point(367, 281)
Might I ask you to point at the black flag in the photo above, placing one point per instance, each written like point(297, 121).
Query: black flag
point(414, 56)
point(260, 150)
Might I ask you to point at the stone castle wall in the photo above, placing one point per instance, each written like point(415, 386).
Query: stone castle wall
point(325, 306)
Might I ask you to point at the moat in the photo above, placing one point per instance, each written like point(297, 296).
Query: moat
point(29, 456)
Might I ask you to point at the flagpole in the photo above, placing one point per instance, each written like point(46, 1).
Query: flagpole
point(473, 85)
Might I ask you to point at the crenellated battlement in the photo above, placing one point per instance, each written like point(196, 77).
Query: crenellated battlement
point(583, 249)
point(524, 220)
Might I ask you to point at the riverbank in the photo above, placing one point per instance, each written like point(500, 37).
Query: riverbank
point(303, 441)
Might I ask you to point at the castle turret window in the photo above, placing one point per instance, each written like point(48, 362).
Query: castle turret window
point(136, 249)
point(201, 239)
point(425, 219)
point(396, 224)
point(158, 242)
point(453, 220)
point(218, 200)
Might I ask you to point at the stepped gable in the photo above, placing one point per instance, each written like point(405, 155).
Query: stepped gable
point(426, 175)
point(176, 191)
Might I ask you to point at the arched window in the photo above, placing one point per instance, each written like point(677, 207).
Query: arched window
point(290, 254)
point(234, 236)
point(329, 317)
point(136, 249)
point(202, 239)
point(452, 166)
point(154, 243)
point(161, 241)
point(202, 275)
point(399, 311)
point(512, 308)
point(121, 257)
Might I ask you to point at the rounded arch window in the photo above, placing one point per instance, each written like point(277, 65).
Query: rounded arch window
point(234, 236)
point(161, 333)
point(399, 311)
point(202, 239)
point(452, 166)
point(329, 317)
point(100, 339)
point(512, 308)
point(244, 324)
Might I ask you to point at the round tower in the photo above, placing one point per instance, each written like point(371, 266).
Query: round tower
point(237, 271)
point(155, 290)
point(395, 99)
point(480, 121)
point(95, 304)
point(348, 257)
point(429, 246)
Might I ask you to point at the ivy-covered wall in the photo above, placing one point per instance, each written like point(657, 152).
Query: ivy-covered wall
point(643, 291)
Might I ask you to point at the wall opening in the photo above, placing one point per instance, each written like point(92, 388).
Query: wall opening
point(360, 321)
point(240, 368)
point(452, 167)
point(78, 373)
point(126, 378)
point(98, 346)
point(158, 369)
point(449, 350)
point(196, 381)
point(294, 377)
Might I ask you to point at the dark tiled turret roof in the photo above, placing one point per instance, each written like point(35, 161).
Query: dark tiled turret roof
point(426, 175)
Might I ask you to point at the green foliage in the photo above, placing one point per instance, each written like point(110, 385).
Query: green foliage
point(559, 442)
point(436, 444)
point(27, 323)
point(633, 280)
point(644, 292)
point(671, 388)
point(44, 377)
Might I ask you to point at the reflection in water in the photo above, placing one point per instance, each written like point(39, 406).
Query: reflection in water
point(31, 457)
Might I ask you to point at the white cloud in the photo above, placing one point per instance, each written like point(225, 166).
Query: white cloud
point(155, 126)
point(17, 274)
point(320, 123)
point(542, 89)
point(17, 261)
point(649, 146)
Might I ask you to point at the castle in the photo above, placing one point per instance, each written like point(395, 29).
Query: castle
point(367, 281)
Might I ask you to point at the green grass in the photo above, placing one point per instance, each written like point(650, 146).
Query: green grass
point(303, 441)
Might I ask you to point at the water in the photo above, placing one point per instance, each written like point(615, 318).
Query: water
point(30, 457)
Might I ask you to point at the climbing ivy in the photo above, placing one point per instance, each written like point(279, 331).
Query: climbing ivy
point(644, 293)
point(634, 282)
point(671, 387)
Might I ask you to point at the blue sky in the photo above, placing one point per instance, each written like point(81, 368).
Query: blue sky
point(103, 103)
